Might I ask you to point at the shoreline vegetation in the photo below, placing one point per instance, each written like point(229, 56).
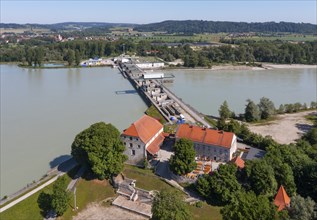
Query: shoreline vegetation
point(258, 66)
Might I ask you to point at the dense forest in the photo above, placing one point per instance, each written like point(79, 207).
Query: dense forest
point(185, 27)
point(196, 26)
point(244, 52)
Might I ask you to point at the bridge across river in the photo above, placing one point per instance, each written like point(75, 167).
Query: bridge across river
point(154, 92)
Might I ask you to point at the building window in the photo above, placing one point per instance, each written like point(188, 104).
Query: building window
point(132, 152)
point(139, 146)
point(130, 138)
point(131, 145)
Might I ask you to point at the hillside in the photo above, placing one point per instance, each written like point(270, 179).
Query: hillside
point(67, 25)
point(199, 26)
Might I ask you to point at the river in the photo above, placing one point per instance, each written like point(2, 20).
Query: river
point(42, 110)
point(206, 90)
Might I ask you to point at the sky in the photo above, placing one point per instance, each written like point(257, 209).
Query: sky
point(146, 11)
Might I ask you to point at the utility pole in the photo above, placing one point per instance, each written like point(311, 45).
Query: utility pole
point(75, 205)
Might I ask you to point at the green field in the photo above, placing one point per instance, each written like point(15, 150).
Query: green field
point(145, 178)
point(89, 191)
point(206, 212)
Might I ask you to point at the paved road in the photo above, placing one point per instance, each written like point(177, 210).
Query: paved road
point(77, 176)
point(185, 107)
point(64, 169)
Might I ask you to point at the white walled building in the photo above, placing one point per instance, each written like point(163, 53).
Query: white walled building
point(209, 143)
point(141, 139)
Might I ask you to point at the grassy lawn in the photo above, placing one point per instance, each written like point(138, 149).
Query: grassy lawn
point(145, 179)
point(28, 208)
point(211, 121)
point(153, 112)
point(206, 212)
point(88, 191)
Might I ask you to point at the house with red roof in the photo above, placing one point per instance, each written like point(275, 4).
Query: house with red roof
point(282, 200)
point(208, 143)
point(142, 139)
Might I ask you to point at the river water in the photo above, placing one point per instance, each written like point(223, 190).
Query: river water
point(206, 90)
point(42, 110)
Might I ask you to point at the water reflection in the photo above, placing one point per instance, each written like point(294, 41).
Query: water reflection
point(73, 77)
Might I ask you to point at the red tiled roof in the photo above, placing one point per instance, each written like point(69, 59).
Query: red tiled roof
point(207, 136)
point(154, 147)
point(144, 128)
point(238, 161)
point(282, 199)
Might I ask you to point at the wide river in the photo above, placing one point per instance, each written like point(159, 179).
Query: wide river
point(43, 110)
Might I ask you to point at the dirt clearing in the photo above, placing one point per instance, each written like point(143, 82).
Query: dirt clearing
point(97, 211)
point(286, 128)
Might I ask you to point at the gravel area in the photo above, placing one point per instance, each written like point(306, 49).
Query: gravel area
point(287, 128)
point(95, 211)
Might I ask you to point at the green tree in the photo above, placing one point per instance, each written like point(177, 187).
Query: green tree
point(224, 111)
point(252, 112)
point(183, 160)
point(266, 107)
point(38, 56)
point(261, 177)
point(282, 172)
point(307, 180)
point(44, 202)
point(302, 208)
point(77, 57)
point(100, 149)
point(221, 124)
point(60, 197)
point(70, 57)
point(311, 136)
point(249, 206)
point(220, 188)
point(29, 55)
point(169, 205)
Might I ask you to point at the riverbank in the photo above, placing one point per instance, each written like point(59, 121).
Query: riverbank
point(263, 66)
point(51, 174)
point(288, 66)
point(287, 128)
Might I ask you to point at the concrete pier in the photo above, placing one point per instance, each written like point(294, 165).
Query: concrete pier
point(153, 91)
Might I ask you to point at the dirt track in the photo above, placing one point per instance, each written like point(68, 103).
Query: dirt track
point(96, 211)
point(287, 128)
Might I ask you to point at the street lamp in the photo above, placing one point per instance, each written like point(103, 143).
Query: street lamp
point(75, 205)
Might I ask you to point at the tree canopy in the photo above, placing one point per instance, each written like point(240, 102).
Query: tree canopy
point(266, 107)
point(57, 200)
point(60, 196)
point(221, 186)
point(100, 149)
point(183, 160)
point(261, 177)
point(200, 26)
point(252, 112)
point(249, 206)
point(224, 111)
point(169, 205)
point(301, 208)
